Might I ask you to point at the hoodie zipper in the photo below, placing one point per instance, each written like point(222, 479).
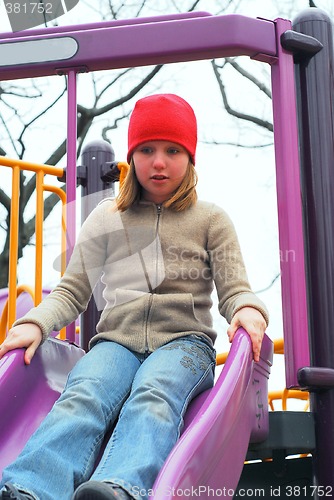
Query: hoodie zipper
point(159, 210)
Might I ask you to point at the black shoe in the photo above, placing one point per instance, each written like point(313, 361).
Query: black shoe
point(10, 492)
point(99, 490)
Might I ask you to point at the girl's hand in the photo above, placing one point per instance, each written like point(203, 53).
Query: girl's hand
point(28, 335)
point(254, 323)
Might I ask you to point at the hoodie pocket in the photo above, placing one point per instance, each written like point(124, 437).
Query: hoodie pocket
point(173, 313)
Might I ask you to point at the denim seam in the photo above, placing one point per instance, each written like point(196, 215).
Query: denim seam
point(190, 397)
point(102, 467)
point(99, 439)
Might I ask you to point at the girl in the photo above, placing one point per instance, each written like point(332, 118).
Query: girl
point(160, 251)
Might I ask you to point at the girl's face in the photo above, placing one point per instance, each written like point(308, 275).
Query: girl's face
point(160, 168)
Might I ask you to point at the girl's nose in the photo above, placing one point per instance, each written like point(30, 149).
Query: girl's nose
point(159, 161)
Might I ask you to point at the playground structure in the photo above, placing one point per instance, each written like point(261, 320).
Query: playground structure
point(230, 423)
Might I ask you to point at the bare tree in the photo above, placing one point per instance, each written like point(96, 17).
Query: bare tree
point(257, 120)
point(243, 74)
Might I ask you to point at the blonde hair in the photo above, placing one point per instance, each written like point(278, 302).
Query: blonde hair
point(184, 197)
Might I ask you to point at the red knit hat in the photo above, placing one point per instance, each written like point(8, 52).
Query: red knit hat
point(164, 117)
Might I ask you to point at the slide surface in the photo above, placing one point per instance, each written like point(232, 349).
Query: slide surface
point(208, 459)
point(28, 392)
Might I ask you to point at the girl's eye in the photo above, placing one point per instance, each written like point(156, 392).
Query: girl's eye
point(173, 151)
point(146, 150)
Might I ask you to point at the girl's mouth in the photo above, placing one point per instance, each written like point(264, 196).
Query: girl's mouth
point(159, 177)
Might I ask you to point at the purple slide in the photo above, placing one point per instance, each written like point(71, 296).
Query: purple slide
point(28, 392)
point(208, 459)
point(219, 424)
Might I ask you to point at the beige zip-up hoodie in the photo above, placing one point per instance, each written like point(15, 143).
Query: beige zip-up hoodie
point(159, 268)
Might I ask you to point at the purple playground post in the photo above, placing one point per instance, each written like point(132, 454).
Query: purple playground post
point(315, 84)
point(71, 175)
point(296, 349)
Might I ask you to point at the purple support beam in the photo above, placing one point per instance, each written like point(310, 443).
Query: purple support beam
point(296, 347)
point(109, 24)
point(141, 43)
point(71, 175)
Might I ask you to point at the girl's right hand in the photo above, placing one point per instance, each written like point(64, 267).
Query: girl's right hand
point(28, 335)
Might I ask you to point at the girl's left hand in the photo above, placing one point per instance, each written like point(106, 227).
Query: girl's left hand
point(254, 323)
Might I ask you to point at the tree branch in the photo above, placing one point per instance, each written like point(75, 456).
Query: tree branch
point(4, 200)
point(21, 92)
point(113, 127)
point(233, 112)
point(238, 144)
point(28, 124)
point(9, 135)
point(260, 85)
point(49, 203)
point(110, 84)
point(129, 95)
point(270, 284)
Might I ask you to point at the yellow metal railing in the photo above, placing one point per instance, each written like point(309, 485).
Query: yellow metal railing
point(287, 394)
point(284, 395)
point(9, 312)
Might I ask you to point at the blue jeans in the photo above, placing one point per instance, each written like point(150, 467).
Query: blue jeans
point(146, 394)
